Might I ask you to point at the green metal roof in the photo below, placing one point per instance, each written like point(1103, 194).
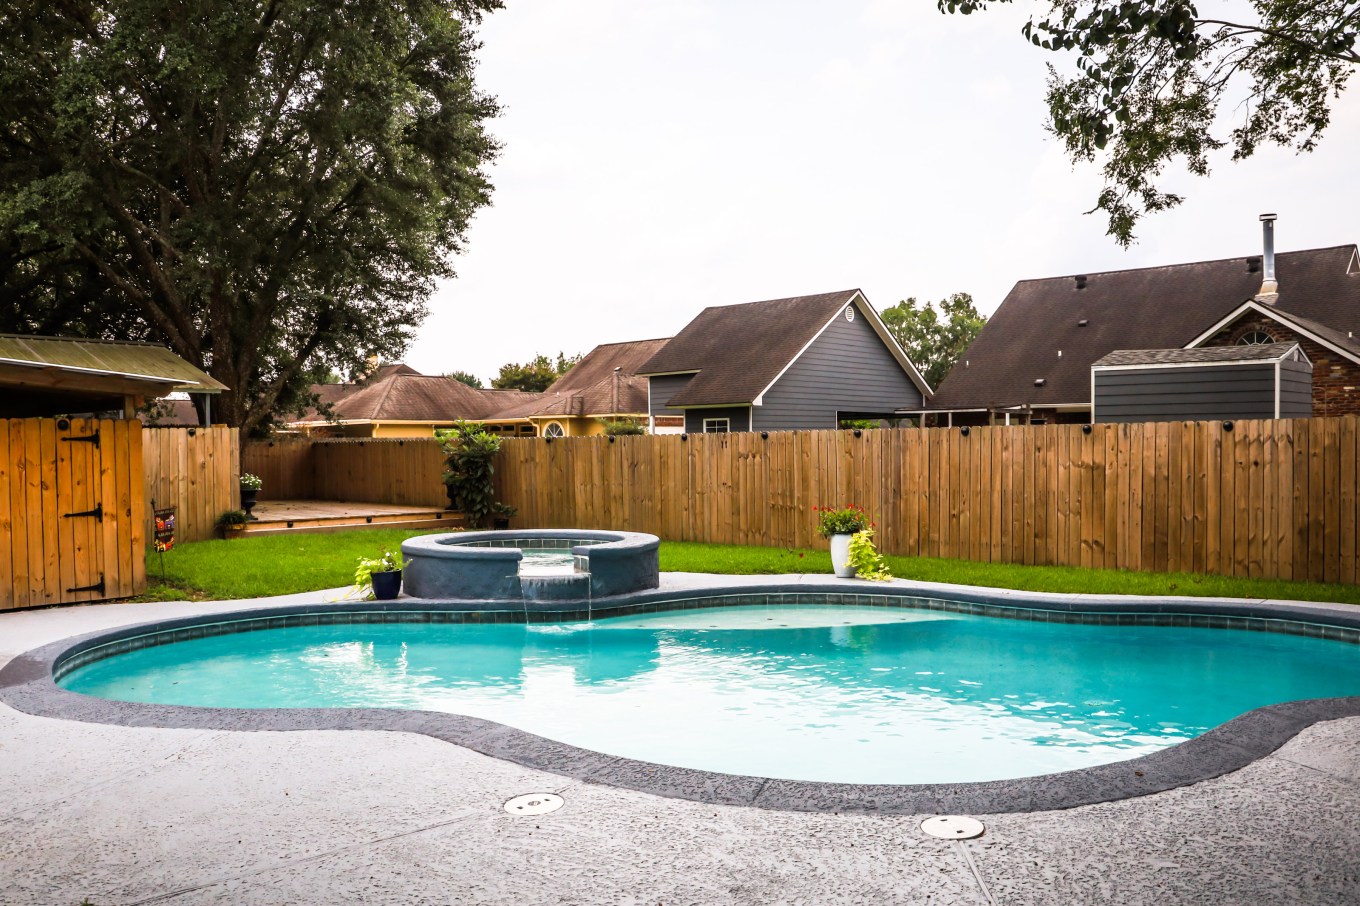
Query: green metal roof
point(130, 361)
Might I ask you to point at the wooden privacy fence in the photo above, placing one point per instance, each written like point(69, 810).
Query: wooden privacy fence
point(72, 519)
point(195, 470)
point(1273, 499)
point(401, 471)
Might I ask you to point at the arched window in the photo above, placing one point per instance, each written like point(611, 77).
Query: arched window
point(1255, 338)
point(553, 429)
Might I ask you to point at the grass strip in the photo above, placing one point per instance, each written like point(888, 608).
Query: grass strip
point(265, 565)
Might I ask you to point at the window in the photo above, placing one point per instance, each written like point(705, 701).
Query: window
point(1255, 338)
point(553, 429)
point(717, 425)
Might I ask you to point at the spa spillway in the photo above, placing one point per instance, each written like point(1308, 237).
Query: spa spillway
point(531, 565)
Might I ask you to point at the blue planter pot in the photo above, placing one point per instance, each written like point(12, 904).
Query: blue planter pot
point(386, 586)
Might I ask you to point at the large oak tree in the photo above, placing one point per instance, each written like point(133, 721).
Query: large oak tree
point(269, 187)
point(1159, 80)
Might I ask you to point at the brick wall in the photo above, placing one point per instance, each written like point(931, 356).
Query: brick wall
point(1336, 379)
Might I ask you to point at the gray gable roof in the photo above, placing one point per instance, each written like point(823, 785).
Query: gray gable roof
point(1265, 352)
point(739, 350)
point(1149, 308)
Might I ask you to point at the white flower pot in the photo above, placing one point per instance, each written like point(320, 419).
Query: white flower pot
point(840, 556)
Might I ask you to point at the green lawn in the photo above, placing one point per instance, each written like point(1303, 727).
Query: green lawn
point(284, 564)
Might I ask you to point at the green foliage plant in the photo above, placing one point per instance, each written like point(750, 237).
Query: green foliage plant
point(390, 560)
point(535, 375)
point(934, 335)
point(253, 482)
point(1156, 81)
point(232, 519)
point(272, 190)
point(504, 510)
point(469, 460)
point(865, 558)
point(843, 521)
point(464, 377)
point(859, 424)
point(621, 427)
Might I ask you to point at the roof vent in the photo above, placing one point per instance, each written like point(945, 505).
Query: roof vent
point(1038, 382)
point(1254, 264)
point(1083, 322)
point(1081, 281)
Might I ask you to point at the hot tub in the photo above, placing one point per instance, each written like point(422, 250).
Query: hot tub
point(531, 565)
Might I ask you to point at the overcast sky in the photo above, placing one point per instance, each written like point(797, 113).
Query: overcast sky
point(667, 155)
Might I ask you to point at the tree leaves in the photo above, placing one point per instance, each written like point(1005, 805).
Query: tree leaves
point(1155, 81)
point(934, 344)
point(270, 188)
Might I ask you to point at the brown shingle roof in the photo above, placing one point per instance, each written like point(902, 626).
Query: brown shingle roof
point(610, 396)
point(1150, 308)
point(739, 350)
point(405, 396)
point(601, 361)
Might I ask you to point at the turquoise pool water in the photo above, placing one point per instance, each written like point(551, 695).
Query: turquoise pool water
point(833, 693)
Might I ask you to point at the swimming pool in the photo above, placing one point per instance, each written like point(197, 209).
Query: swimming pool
point(808, 692)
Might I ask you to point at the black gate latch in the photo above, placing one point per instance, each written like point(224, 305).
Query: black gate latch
point(87, 439)
point(97, 512)
point(98, 586)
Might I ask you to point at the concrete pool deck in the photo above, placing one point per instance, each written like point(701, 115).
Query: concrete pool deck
point(124, 815)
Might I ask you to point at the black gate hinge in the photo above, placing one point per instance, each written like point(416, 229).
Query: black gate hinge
point(87, 439)
point(98, 586)
point(97, 512)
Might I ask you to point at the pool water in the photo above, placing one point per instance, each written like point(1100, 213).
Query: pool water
point(831, 693)
point(547, 562)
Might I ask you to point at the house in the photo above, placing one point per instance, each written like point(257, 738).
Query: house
point(44, 376)
point(398, 401)
point(783, 364)
point(1032, 362)
point(603, 386)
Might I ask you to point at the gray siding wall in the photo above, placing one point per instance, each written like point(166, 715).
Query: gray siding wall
point(665, 387)
point(1296, 390)
point(1185, 394)
point(847, 369)
point(738, 416)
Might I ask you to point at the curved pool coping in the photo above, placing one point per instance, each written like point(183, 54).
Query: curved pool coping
point(27, 684)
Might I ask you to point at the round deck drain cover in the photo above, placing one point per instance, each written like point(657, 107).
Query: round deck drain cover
point(534, 804)
point(953, 827)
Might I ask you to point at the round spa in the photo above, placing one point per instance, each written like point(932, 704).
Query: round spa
point(530, 565)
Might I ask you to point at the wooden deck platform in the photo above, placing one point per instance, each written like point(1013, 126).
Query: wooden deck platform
point(279, 516)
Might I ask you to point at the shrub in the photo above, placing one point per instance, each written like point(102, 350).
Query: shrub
point(618, 427)
point(844, 521)
point(469, 456)
point(232, 519)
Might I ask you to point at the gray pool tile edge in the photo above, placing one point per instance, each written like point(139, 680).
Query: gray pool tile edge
point(28, 684)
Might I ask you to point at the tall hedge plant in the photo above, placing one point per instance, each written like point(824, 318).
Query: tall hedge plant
point(469, 460)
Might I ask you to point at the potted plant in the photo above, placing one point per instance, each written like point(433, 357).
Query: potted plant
point(865, 560)
point(501, 514)
point(382, 574)
point(838, 525)
point(232, 523)
point(250, 489)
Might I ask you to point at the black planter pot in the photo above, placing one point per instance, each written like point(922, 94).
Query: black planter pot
point(500, 523)
point(453, 498)
point(248, 496)
point(386, 586)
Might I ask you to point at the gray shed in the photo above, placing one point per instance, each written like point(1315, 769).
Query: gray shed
point(1273, 380)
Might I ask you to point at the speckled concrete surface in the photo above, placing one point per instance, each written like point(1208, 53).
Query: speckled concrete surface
point(124, 815)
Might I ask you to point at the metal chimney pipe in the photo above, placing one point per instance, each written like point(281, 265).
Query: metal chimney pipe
point(1270, 288)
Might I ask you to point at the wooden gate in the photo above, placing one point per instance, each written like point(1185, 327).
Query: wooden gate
point(72, 511)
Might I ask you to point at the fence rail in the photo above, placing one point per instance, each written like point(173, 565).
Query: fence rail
point(1271, 499)
point(195, 470)
point(402, 471)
